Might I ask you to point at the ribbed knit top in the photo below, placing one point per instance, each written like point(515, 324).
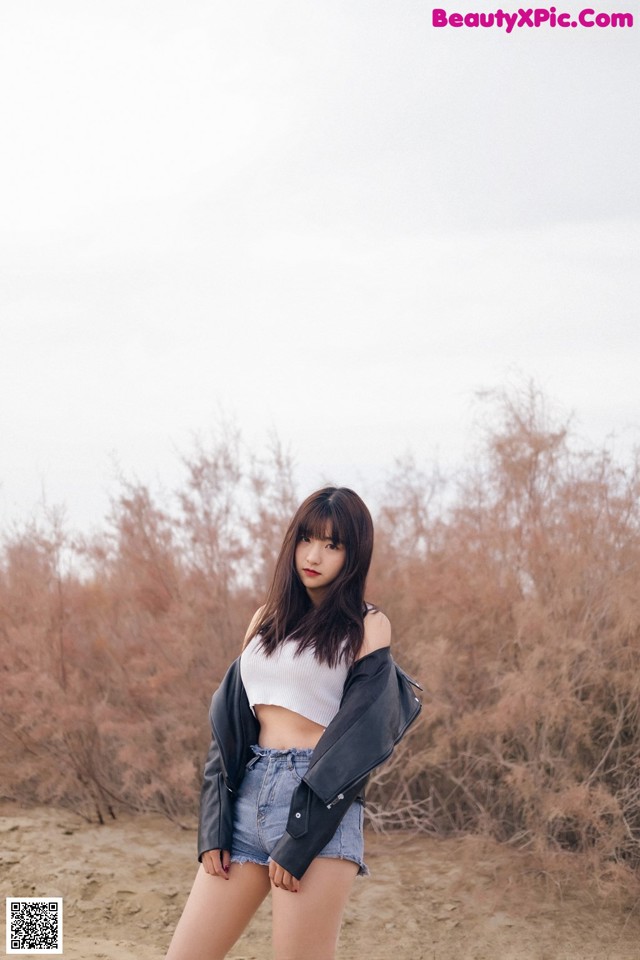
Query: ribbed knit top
point(295, 681)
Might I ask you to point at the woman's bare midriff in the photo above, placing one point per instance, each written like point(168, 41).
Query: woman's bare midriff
point(282, 729)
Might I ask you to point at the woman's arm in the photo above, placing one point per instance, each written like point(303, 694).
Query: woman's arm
point(221, 776)
point(215, 802)
point(377, 633)
point(252, 626)
point(360, 737)
point(216, 811)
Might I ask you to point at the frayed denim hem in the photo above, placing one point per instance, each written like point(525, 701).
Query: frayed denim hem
point(263, 806)
point(242, 860)
point(363, 869)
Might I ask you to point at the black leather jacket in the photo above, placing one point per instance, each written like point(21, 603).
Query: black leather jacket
point(378, 704)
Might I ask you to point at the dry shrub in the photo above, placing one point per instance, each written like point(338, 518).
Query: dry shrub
point(109, 660)
point(517, 604)
point(512, 591)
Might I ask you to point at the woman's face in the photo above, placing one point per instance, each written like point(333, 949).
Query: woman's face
point(318, 562)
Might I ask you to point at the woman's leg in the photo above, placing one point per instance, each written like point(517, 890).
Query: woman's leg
point(217, 912)
point(306, 924)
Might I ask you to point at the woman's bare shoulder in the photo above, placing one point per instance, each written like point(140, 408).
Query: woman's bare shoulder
point(252, 626)
point(377, 632)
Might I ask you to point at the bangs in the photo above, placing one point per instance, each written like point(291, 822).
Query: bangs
point(321, 523)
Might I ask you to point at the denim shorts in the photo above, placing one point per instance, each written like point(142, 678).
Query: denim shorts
point(262, 810)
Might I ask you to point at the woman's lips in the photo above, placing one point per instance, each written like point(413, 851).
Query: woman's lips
point(311, 573)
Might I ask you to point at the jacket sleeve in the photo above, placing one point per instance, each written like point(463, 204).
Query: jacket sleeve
point(235, 727)
point(377, 706)
point(215, 826)
point(339, 768)
point(310, 826)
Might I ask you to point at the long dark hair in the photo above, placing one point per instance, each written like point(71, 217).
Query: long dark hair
point(335, 628)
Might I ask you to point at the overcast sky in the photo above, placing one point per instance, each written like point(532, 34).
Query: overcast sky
point(320, 217)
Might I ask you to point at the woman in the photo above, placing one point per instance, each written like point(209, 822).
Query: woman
point(311, 706)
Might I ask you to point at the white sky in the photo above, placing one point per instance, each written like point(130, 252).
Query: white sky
point(323, 217)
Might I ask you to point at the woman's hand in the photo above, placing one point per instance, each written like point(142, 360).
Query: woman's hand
point(216, 863)
point(281, 878)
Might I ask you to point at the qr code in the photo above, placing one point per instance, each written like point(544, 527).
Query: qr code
point(34, 925)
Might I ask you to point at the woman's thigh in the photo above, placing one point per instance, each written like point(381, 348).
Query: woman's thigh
point(307, 924)
point(218, 911)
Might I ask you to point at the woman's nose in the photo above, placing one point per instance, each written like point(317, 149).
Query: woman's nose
point(313, 553)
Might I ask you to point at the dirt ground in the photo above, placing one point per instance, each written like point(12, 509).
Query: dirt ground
point(124, 886)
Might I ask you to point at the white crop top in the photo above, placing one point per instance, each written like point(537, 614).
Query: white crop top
point(299, 683)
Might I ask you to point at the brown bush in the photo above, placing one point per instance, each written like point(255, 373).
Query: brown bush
point(109, 664)
point(518, 606)
point(512, 591)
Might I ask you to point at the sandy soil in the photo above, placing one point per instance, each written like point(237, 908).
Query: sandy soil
point(124, 886)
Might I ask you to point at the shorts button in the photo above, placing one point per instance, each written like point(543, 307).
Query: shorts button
point(298, 815)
